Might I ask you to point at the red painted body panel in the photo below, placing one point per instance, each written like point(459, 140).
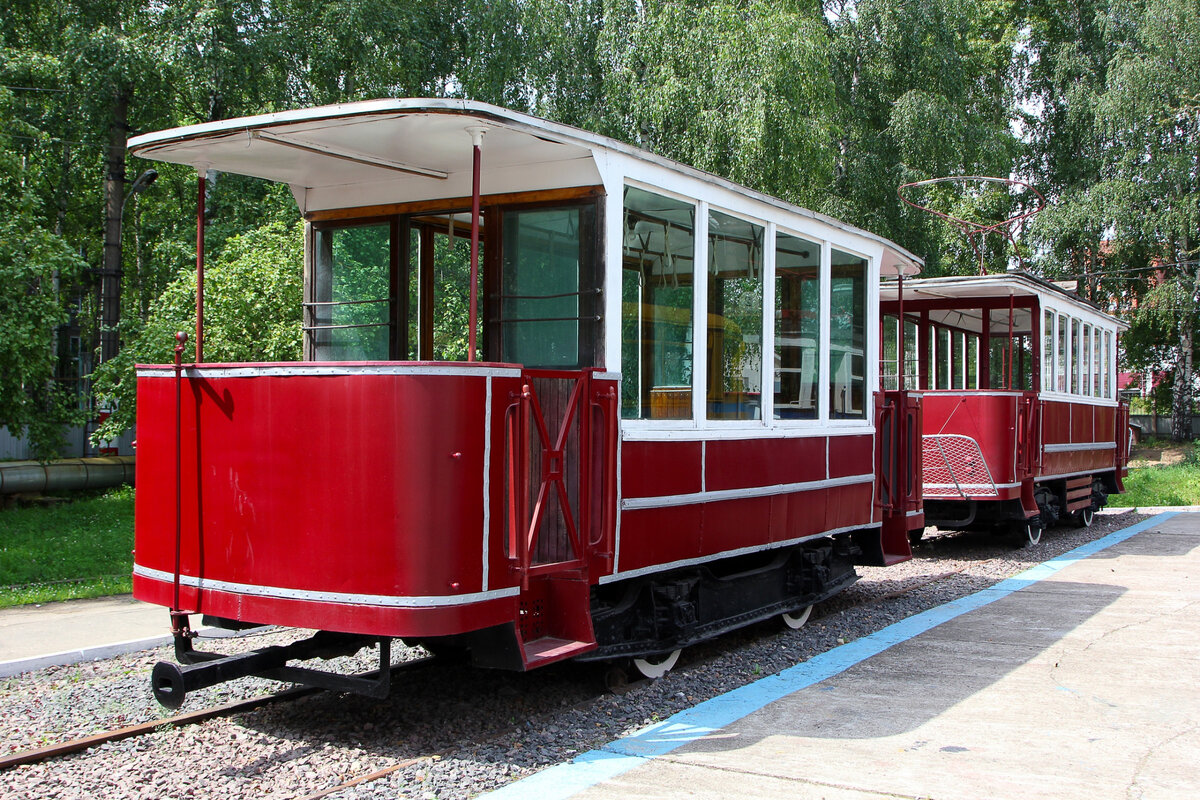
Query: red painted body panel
point(742, 463)
point(1074, 438)
point(351, 484)
point(344, 617)
point(989, 420)
point(352, 497)
point(704, 528)
point(851, 455)
point(650, 469)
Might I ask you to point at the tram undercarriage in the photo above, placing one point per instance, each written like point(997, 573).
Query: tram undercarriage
point(1068, 499)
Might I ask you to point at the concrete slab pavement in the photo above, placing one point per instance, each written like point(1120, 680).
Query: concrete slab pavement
point(1076, 681)
point(35, 637)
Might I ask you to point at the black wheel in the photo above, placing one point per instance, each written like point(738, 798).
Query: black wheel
point(1083, 518)
point(796, 619)
point(914, 537)
point(1027, 533)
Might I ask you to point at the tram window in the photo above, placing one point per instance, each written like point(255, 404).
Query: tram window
point(735, 295)
point(912, 376)
point(1010, 364)
point(1108, 386)
point(1047, 350)
point(1074, 353)
point(349, 315)
point(957, 365)
point(1023, 362)
point(656, 307)
point(889, 361)
point(548, 293)
point(797, 327)
point(972, 361)
point(998, 362)
point(942, 376)
point(1061, 371)
point(847, 336)
point(443, 267)
point(1086, 347)
point(1096, 367)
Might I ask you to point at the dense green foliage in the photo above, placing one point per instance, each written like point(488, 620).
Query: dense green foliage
point(68, 550)
point(253, 288)
point(34, 263)
point(831, 105)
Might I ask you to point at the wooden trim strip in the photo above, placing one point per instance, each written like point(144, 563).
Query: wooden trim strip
point(456, 203)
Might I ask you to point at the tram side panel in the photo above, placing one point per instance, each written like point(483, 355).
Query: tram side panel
point(970, 446)
point(1078, 439)
point(686, 500)
point(342, 502)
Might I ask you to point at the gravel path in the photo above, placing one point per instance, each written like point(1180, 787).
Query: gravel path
point(466, 730)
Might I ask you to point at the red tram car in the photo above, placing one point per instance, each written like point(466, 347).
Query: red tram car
point(620, 460)
point(1022, 426)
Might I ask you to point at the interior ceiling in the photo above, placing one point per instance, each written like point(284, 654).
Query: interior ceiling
point(427, 149)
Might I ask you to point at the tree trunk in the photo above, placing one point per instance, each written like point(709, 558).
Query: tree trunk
point(114, 192)
point(1181, 405)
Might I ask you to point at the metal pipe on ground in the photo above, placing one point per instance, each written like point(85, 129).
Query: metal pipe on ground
point(66, 474)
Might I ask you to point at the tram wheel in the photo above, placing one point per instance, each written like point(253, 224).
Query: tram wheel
point(1084, 518)
point(616, 679)
point(796, 620)
point(656, 666)
point(1030, 533)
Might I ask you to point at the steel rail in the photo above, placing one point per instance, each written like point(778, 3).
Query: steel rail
point(142, 728)
point(190, 718)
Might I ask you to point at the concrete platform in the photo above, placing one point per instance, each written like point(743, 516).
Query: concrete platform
point(52, 634)
point(1077, 679)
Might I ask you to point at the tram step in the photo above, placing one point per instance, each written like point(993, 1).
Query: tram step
point(549, 649)
point(1079, 493)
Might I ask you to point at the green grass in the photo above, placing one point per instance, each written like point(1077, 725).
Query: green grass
point(1175, 485)
point(68, 550)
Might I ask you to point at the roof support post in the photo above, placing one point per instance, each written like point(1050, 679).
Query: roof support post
point(201, 189)
point(476, 132)
point(900, 332)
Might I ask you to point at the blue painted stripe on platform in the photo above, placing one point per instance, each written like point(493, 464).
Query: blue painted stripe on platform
point(619, 756)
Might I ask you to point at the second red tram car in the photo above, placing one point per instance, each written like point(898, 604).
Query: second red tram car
point(561, 398)
point(1022, 424)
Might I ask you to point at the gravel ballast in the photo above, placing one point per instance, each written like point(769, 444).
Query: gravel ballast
point(464, 730)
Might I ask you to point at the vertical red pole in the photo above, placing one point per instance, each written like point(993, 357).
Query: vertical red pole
point(476, 132)
point(1011, 300)
point(180, 341)
point(201, 185)
point(900, 334)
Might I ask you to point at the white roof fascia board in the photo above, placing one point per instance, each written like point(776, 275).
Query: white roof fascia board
point(1001, 285)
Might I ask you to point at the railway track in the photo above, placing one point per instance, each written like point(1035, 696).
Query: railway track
point(141, 729)
point(618, 684)
point(538, 701)
point(68, 747)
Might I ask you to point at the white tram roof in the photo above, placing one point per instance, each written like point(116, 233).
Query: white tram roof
point(378, 152)
point(1008, 284)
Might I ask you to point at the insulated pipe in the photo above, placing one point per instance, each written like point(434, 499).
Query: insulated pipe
point(67, 474)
